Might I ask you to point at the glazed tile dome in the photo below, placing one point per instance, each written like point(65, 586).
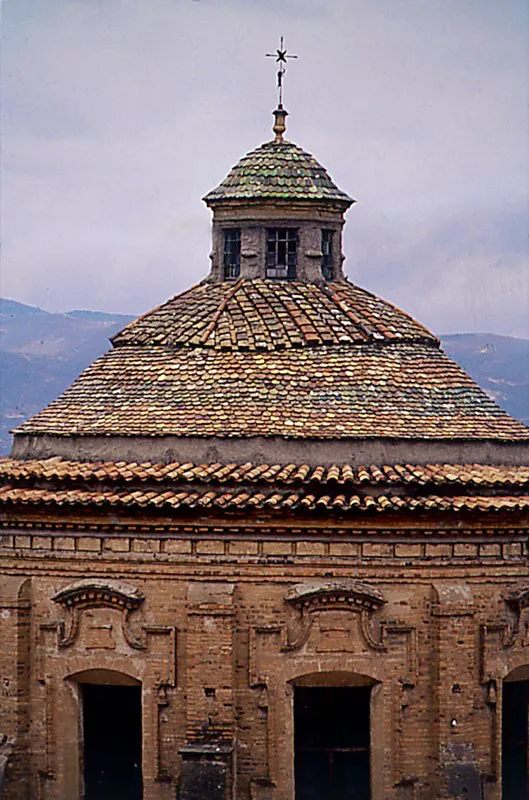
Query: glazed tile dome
point(277, 170)
point(303, 369)
point(276, 359)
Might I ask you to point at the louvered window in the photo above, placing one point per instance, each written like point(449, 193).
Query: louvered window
point(327, 254)
point(281, 252)
point(232, 253)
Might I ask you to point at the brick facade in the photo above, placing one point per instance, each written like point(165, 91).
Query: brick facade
point(217, 641)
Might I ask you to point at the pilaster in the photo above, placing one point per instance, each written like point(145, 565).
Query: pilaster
point(454, 685)
point(207, 758)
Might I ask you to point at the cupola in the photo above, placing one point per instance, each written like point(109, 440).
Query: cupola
point(277, 215)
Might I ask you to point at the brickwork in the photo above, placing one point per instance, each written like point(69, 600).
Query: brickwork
point(14, 690)
point(218, 644)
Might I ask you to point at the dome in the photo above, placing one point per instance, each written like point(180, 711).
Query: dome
point(275, 359)
point(279, 171)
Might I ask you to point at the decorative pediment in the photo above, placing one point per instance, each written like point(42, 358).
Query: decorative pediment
point(78, 598)
point(335, 593)
point(336, 631)
point(94, 592)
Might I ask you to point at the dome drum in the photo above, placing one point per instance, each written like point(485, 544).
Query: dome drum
point(253, 232)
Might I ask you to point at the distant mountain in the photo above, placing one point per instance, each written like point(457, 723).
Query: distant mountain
point(499, 364)
point(32, 331)
point(42, 353)
point(13, 308)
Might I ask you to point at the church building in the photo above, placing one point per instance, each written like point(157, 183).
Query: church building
point(273, 545)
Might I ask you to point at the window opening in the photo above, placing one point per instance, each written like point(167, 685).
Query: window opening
point(327, 254)
point(112, 742)
point(515, 740)
point(281, 252)
point(232, 253)
point(331, 743)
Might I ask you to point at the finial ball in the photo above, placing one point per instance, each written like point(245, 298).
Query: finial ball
point(280, 126)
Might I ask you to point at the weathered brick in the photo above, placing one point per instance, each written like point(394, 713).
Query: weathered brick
point(438, 550)
point(344, 549)
point(89, 543)
point(23, 541)
point(177, 546)
point(490, 550)
point(310, 548)
point(372, 550)
point(210, 547)
point(243, 548)
point(41, 542)
point(146, 545)
point(117, 545)
point(468, 550)
point(64, 543)
point(408, 550)
point(277, 548)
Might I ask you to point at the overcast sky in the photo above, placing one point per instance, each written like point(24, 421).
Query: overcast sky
point(119, 115)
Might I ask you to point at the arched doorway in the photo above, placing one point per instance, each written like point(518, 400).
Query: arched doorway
point(515, 735)
point(332, 736)
point(111, 735)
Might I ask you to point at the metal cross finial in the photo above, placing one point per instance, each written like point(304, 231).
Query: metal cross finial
point(280, 56)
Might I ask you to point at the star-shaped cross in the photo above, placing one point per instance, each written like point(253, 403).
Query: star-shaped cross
point(280, 56)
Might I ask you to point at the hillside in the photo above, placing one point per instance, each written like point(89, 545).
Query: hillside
point(499, 364)
point(42, 353)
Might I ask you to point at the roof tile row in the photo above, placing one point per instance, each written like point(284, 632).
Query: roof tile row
point(244, 500)
point(401, 391)
point(441, 475)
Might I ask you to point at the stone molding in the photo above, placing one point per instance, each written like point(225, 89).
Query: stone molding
point(344, 595)
point(85, 594)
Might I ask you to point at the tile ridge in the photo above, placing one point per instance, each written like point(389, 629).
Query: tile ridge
point(260, 329)
point(290, 326)
point(302, 320)
point(315, 298)
point(217, 314)
point(334, 295)
point(282, 296)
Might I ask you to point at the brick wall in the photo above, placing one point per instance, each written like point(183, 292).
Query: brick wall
point(217, 648)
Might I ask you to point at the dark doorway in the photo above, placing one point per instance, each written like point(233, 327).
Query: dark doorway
point(515, 740)
point(331, 741)
point(112, 742)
